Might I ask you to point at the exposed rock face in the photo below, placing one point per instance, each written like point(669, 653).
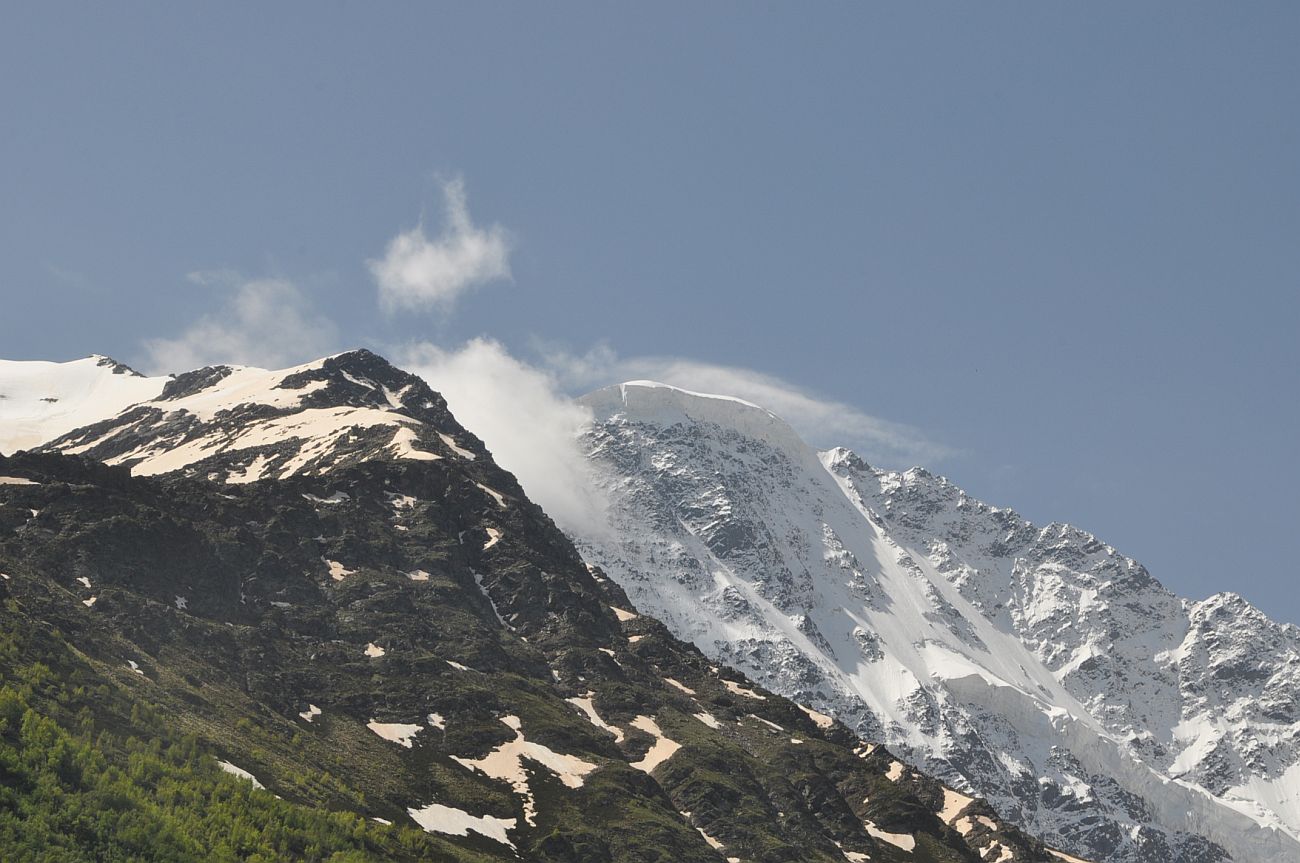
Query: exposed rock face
point(326, 582)
point(1037, 667)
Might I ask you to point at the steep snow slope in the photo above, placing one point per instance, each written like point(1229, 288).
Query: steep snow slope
point(1036, 667)
point(40, 401)
point(1204, 690)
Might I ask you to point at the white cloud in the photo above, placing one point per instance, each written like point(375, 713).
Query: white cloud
point(424, 274)
point(266, 322)
point(526, 415)
point(528, 423)
point(823, 422)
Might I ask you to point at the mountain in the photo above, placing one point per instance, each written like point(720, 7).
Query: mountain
point(1033, 666)
point(304, 615)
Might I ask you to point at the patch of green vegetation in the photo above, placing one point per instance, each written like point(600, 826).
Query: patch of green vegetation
point(73, 790)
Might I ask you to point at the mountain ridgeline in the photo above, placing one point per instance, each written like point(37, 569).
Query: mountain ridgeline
point(1036, 667)
point(303, 615)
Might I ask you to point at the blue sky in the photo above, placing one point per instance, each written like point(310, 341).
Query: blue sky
point(1049, 250)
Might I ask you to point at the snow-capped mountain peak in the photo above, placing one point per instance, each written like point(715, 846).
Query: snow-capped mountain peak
point(239, 423)
point(1035, 666)
point(665, 405)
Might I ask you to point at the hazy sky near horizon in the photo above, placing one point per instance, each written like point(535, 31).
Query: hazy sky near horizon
point(1050, 250)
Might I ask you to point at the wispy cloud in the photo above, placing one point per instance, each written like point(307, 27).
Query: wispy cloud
point(264, 322)
point(526, 414)
point(822, 421)
point(423, 274)
point(528, 423)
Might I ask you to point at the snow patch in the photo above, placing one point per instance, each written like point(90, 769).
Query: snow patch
point(821, 720)
point(953, 803)
point(478, 580)
point(240, 772)
point(338, 571)
point(713, 843)
point(901, 840)
point(335, 498)
point(436, 818)
point(662, 749)
point(401, 733)
point(737, 689)
point(676, 684)
point(966, 824)
point(404, 446)
point(588, 707)
point(394, 399)
point(496, 495)
point(709, 719)
point(458, 450)
point(506, 763)
point(252, 472)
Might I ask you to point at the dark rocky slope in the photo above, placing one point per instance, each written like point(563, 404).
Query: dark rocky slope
point(413, 640)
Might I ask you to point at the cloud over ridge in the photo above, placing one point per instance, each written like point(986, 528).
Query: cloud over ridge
point(822, 422)
point(527, 422)
point(420, 273)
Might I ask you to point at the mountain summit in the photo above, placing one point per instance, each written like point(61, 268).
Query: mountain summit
point(1034, 666)
point(241, 424)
